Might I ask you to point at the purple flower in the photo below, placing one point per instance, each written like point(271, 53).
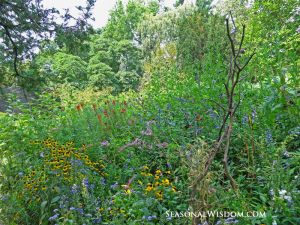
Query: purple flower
point(53, 217)
point(169, 218)
point(89, 215)
point(4, 199)
point(72, 208)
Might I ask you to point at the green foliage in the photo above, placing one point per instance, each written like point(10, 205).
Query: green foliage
point(22, 22)
point(114, 63)
point(108, 154)
point(123, 23)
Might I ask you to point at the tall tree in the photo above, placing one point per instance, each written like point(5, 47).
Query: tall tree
point(25, 24)
point(123, 21)
point(178, 3)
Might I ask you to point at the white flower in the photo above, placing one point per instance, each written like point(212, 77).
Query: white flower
point(289, 198)
point(282, 192)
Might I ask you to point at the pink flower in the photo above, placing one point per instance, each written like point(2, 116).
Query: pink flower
point(191, 127)
point(104, 157)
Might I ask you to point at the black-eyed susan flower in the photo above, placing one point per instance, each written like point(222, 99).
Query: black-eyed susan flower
point(146, 167)
point(100, 209)
point(156, 177)
point(44, 187)
point(157, 171)
point(140, 182)
point(168, 172)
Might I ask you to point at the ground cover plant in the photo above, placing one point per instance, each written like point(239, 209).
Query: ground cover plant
point(215, 131)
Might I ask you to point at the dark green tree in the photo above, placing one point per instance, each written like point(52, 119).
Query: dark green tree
point(25, 25)
point(204, 6)
point(123, 22)
point(178, 3)
point(114, 63)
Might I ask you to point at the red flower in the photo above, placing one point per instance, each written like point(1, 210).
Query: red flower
point(114, 102)
point(107, 102)
point(81, 105)
point(113, 112)
point(191, 127)
point(197, 119)
point(201, 118)
point(78, 108)
point(105, 112)
point(105, 123)
point(99, 116)
point(123, 110)
point(109, 128)
point(94, 106)
point(124, 102)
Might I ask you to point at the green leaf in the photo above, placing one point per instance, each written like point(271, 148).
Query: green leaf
point(43, 205)
point(55, 199)
point(42, 217)
point(277, 106)
point(146, 212)
point(159, 208)
point(263, 198)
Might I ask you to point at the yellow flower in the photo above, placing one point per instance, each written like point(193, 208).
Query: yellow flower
point(146, 167)
point(140, 182)
point(111, 211)
point(44, 187)
point(158, 171)
point(149, 174)
point(123, 210)
point(169, 172)
point(38, 198)
point(143, 173)
point(156, 177)
point(127, 191)
point(100, 209)
point(57, 175)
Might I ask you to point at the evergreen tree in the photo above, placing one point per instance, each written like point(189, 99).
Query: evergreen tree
point(24, 25)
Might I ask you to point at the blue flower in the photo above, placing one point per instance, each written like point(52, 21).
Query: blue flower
point(53, 217)
point(3, 199)
point(149, 218)
point(169, 218)
point(89, 215)
point(20, 174)
point(219, 222)
point(55, 210)
point(72, 208)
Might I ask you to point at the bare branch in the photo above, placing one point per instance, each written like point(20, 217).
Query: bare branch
point(222, 107)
